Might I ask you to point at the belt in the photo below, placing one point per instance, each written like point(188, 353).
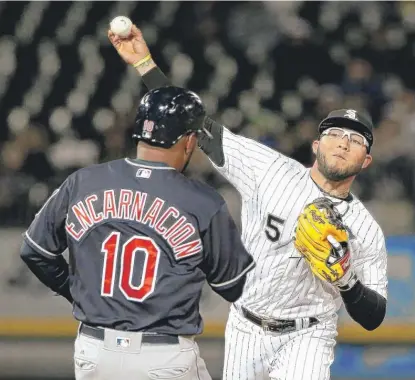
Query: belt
point(279, 325)
point(149, 338)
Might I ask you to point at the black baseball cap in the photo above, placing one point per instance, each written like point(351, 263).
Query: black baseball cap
point(350, 119)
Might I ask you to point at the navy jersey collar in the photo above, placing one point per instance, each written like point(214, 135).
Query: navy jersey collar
point(148, 164)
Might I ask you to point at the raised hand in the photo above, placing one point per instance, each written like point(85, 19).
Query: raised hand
point(132, 49)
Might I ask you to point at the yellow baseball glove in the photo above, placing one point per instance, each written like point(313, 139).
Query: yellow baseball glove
point(322, 239)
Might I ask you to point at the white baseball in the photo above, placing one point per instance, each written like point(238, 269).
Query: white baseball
point(121, 26)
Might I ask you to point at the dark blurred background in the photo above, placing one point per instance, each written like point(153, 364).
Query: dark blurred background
point(268, 70)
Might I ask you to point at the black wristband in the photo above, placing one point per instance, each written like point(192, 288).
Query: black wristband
point(155, 79)
point(212, 145)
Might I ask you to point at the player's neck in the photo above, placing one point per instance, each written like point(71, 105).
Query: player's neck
point(338, 189)
point(157, 155)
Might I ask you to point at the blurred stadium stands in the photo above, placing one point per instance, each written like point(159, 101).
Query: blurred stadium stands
point(268, 70)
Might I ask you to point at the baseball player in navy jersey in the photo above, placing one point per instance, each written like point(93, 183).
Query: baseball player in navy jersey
point(285, 323)
point(142, 240)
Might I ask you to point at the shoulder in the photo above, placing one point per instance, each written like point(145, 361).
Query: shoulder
point(198, 199)
point(236, 141)
point(205, 194)
point(282, 166)
point(357, 208)
point(289, 162)
point(362, 221)
point(87, 171)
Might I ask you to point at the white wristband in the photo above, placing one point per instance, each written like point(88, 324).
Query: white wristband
point(347, 282)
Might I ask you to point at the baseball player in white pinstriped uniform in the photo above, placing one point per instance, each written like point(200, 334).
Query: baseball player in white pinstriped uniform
point(285, 324)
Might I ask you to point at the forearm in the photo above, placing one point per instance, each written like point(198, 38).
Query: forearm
point(364, 305)
point(53, 272)
point(154, 78)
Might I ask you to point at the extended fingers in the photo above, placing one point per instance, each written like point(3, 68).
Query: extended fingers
point(113, 37)
point(115, 40)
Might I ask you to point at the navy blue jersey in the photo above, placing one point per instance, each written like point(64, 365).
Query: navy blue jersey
point(142, 240)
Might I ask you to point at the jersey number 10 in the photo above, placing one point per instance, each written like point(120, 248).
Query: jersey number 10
point(136, 244)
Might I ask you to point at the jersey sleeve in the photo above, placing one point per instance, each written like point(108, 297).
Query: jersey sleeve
point(46, 234)
point(371, 265)
point(245, 160)
point(226, 259)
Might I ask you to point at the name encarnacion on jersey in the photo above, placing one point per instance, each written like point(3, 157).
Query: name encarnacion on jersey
point(134, 206)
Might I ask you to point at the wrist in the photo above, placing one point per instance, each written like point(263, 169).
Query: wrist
point(347, 281)
point(144, 65)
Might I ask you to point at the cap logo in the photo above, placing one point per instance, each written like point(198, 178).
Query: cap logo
point(148, 127)
point(351, 114)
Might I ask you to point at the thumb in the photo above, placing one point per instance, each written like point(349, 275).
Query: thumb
point(114, 39)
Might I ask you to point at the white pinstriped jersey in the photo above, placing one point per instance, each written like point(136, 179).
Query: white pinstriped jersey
point(274, 190)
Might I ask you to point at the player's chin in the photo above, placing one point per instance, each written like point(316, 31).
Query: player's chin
point(343, 171)
point(338, 163)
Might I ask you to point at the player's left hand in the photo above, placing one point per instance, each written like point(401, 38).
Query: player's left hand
point(323, 241)
point(131, 49)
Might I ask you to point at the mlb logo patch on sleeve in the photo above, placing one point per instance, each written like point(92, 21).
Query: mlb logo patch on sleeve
point(143, 173)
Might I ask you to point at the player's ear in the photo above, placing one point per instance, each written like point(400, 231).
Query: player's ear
point(191, 141)
point(314, 146)
point(367, 161)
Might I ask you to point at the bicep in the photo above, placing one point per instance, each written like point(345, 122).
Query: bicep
point(244, 162)
point(46, 234)
point(226, 260)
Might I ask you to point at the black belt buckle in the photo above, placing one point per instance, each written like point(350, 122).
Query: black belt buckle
point(269, 324)
point(275, 325)
point(281, 326)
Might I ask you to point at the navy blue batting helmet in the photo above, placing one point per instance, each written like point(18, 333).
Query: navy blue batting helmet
point(166, 114)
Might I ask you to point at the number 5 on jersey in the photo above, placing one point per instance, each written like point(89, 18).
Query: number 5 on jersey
point(272, 229)
point(136, 244)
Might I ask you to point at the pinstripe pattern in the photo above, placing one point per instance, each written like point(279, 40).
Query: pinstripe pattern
point(282, 285)
point(251, 353)
point(306, 357)
point(244, 352)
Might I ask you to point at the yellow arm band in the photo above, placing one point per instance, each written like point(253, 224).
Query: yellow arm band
point(141, 61)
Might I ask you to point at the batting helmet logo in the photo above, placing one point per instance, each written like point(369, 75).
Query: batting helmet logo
point(148, 127)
